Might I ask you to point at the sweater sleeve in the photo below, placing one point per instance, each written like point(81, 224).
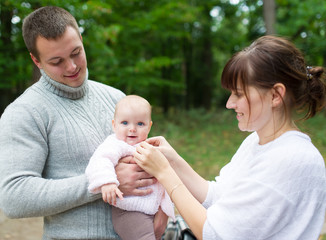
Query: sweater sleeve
point(24, 150)
point(100, 169)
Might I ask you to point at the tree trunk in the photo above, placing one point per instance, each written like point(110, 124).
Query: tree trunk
point(187, 59)
point(6, 93)
point(269, 16)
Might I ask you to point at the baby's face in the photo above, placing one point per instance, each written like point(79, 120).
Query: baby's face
point(132, 126)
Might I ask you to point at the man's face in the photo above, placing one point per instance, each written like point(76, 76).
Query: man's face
point(63, 59)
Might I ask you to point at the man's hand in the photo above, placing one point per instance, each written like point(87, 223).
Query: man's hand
point(160, 222)
point(131, 177)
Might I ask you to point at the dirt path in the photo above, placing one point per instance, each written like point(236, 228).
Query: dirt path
point(20, 229)
point(31, 228)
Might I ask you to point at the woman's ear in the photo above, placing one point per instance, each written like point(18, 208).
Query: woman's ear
point(278, 94)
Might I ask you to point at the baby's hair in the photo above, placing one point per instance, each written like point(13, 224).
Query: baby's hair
point(134, 100)
point(270, 60)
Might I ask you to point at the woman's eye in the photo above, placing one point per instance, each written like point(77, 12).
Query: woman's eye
point(238, 94)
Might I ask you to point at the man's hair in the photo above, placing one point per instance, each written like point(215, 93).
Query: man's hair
point(49, 22)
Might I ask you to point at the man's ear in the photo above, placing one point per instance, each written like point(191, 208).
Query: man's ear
point(278, 94)
point(37, 62)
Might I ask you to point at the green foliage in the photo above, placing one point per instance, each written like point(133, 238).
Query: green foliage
point(171, 52)
point(305, 25)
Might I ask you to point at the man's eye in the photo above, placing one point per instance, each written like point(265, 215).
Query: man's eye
point(56, 63)
point(124, 122)
point(76, 53)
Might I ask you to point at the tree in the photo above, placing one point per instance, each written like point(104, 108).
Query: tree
point(269, 16)
point(170, 52)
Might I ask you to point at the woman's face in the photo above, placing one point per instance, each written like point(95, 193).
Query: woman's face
point(254, 112)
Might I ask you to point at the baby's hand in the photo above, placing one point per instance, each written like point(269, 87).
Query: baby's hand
point(110, 192)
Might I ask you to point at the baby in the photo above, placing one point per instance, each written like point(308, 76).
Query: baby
point(131, 125)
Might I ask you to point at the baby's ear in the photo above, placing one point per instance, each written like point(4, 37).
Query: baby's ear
point(278, 94)
point(113, 124)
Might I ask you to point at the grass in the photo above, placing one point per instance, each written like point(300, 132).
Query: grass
point(208, 140)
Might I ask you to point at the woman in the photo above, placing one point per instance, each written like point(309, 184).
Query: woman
point(275, 185)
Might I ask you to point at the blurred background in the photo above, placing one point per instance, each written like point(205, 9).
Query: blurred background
point(171, 52)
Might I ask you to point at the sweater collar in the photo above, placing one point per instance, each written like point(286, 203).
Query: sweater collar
point(63, 90)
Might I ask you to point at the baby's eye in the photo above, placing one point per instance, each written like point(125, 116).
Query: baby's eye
point(124, 122)
point(141, 124)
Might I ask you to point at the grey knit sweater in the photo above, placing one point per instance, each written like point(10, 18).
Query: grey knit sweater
point(47, 137)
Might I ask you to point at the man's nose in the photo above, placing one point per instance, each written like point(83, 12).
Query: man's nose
point(71, 66)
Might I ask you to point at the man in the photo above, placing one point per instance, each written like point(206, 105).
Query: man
point(49, 133)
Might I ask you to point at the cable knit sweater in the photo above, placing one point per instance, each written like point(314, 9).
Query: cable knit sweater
point(47, 137)
point(100, 171)
point(275, 191)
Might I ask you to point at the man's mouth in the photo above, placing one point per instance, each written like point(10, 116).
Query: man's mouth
point(73, 75)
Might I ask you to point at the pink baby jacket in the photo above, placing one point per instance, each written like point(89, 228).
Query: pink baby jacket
point(100, 171)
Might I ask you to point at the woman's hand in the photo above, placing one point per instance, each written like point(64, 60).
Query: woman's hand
point(165, 148)
point(151, 159)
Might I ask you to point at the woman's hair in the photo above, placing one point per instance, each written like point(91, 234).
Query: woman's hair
point(270, 60)
point(49, 22)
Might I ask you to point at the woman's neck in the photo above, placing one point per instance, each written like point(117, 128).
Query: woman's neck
point(276, 131)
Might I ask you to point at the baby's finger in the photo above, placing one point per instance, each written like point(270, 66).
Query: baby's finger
point(119, 194)
point(104, 197)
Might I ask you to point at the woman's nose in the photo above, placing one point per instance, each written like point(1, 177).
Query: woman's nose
point(230, 104)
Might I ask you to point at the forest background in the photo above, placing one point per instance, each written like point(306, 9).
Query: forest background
point(172, 52)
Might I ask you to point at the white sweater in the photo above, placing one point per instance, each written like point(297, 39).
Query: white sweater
point(273, 191)
point(100, 171)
